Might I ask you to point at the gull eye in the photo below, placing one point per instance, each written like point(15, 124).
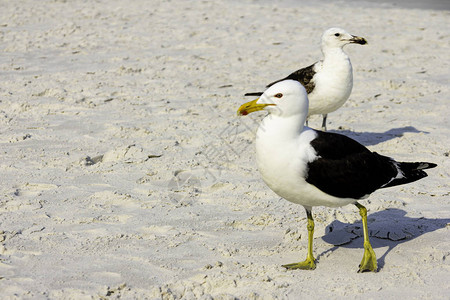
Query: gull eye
point(337, 34)
point(279, 95)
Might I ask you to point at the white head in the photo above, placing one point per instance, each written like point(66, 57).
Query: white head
point(338, 38)
point(285, 98)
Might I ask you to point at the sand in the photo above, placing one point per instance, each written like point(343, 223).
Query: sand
point(125, 172)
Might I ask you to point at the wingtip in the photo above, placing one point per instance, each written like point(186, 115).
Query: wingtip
point(426, 165)
point(253, 94)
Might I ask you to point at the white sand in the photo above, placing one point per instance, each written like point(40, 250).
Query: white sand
point(103, 102)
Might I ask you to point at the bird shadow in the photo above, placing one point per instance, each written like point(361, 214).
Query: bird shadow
point(389, 227)
point(374, 138)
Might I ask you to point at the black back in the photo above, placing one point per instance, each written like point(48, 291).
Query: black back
point(304, 76)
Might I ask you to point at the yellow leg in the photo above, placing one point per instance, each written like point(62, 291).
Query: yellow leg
point(309, 262)
point(369, 260)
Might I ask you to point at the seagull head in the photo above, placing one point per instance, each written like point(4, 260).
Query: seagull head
point(338, 38)
point(285, 98)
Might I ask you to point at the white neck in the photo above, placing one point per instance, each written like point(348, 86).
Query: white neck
point(334, 53)
point(276, 129)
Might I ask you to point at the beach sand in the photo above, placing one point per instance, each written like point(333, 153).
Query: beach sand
point(125, 171)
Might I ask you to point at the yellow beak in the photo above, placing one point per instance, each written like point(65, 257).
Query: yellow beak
point(250, 107)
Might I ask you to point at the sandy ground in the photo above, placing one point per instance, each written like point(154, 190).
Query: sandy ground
point(125, 171)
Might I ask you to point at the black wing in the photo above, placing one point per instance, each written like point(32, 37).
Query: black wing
point(304, 76)
point(347, 169)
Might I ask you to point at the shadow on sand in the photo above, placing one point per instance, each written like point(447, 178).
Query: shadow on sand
point(374, 138)
point(389, 228)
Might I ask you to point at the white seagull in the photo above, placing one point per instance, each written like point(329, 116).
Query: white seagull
point(328, 82)
point(316, 168)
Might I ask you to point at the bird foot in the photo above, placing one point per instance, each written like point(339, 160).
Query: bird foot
point(308, 264)
point(369, 260)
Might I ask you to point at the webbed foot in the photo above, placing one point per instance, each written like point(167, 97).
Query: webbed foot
point(307, 264)
point(369, 260)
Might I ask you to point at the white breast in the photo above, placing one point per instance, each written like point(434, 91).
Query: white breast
point(282, 163)
point(333, 85)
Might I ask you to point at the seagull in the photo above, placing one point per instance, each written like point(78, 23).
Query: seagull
point(316, 168)
point(328, 82)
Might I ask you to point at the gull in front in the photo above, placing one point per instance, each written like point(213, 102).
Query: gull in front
point(315, 168)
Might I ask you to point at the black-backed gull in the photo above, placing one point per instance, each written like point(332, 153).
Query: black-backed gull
point(316, 168)
point(328, 82)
